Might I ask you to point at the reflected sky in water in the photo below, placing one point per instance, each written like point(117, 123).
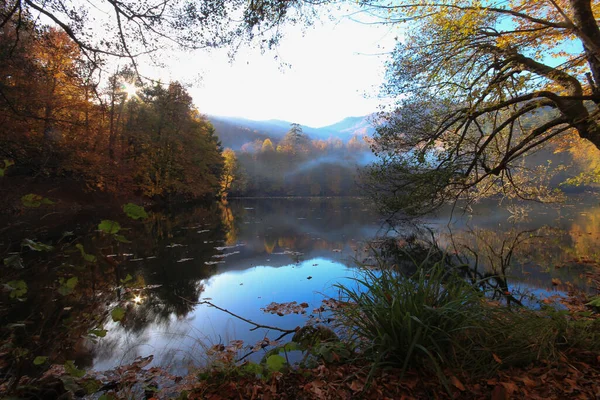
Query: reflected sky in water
point(249, 253)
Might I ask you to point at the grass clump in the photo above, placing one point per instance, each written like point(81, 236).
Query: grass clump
point(435, 320)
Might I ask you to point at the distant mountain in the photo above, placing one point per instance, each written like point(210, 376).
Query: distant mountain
point(234, 132)
point(353, 126)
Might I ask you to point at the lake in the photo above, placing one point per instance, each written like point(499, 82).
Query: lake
point(246, 254)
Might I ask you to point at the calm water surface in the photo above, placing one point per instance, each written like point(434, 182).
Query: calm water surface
point(283, 250)
point(248, 253)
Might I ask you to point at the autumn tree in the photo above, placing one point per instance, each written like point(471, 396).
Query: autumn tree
point(483, 85)
point(231, 173)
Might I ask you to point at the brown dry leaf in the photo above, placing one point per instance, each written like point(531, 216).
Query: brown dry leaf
point(497, 359)
point(356, 386)
point(556, 281)
point(499, 393)
point(510, 387)
point(527, 381)
point(458, 384)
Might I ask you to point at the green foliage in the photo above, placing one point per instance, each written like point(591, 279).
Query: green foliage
point(37, 246)
point(134, 211)
point(433, 319)
point(252, 369)
point(32, 200)
point(7, 163)
point(117, 314)
point(594, 302)
point(18, 289)
point(112, 228)
point(87, 257)
point(275, 363)
point(14, 261)
point(127, 279)
point(409, 320)
point(67, 286)
point(72, 370)
point(39, 360)
point(109, 227)
point(98, 332)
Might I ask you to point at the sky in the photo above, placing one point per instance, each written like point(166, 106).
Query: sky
point(317, 76)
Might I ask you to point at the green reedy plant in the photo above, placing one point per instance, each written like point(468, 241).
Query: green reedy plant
point(434, 320)
point(409, 321)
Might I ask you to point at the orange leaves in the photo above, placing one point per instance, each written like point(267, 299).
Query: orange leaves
point(282, 309)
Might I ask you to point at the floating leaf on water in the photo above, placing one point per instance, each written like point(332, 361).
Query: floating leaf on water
point(32, 200)
point(109, 227)
point(98, 332)
point(87, 257)
point(148, 287)
point(67, 286)
point(134, 211)
point(18, 289)
point(117, 314)
point(282, 309)
point(72, 370)
point(37, 246)
point(122, 239)
point(226, 255)
point(14, 261)
point(7, 163)
point(39, 360)
point(127, 279)
point(221, 248)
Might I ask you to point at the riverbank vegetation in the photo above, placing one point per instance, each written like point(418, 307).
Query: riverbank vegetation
point(478, 96)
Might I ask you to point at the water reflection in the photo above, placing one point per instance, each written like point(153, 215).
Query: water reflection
point(245, 254)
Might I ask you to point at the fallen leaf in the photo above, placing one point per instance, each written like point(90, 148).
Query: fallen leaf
point(458, 384)
point(510, 387)
point(497, 359)
point(356, 386)
point(499, 393)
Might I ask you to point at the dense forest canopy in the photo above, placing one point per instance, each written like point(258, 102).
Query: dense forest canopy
point(57, 121)
point(480, 85)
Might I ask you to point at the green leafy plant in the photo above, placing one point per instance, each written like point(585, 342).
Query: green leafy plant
point(112, 228)
point(87, 257)
point(134, 211)
point(32, 200)
point(67, 286)
point(117, 314)
point(36, 246)
point(14, 261)
point(17, 288)
point(39, 360)
point(7, 163)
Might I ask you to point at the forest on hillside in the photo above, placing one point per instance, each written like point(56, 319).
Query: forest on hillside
point(113, 135)
point(296, 166)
